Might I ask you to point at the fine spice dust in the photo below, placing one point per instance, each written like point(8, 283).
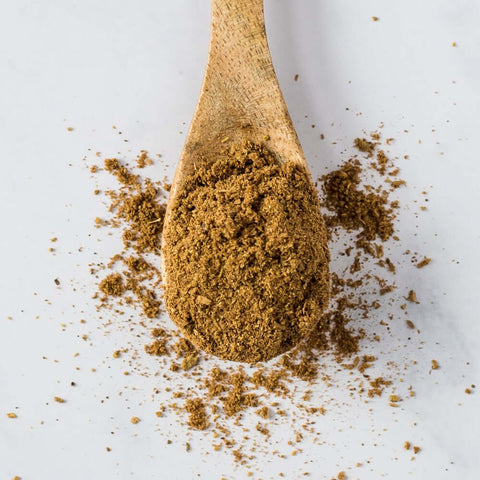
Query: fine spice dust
point(240, 405)
point(246, 256)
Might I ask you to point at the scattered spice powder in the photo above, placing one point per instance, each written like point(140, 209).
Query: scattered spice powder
point(134, 420)
point(364, 145)
point(137, 205)
point(11, 415)
point(138, 208)
point(189, 362)
point(246, 256)
point(356, 209)
point(59, 399)
point(197, 413)
point(158, 347)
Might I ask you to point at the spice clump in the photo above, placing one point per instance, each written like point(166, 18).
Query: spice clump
point(355, 209)
point(246, 255)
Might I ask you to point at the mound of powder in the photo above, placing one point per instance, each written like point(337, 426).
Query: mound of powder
point(246, 256)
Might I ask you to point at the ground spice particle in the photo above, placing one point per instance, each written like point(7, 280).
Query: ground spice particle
point(382, 162)
point(407, 445)
point(197, 419)
point(377, 386)
point(435, 365)
point(356, 209)
point(143, 160)
point(12, 415)
point(364, 145)
point(59, 399)
point(158, 347)
point(134, 420)
point(263, 412)
point(272, 381)
point(342, 337)
point(397, 183)
point(189, 362)
point(412, 297)
point(306, 368)
point(246, 256)
point(137, 204)
point(184, 348)
point(150, 306)
point(237, 398)
point(424, 262)
point(262, 429)
point(113, 285)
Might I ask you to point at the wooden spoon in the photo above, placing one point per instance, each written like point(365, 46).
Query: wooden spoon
point(240, 97)
point(240, 100)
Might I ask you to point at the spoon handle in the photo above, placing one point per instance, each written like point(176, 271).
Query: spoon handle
point(238, 44)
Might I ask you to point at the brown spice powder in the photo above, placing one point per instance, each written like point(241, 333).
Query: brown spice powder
point(229, 391)
point(137, 205)
point(246, 256)
point(112, 285)
point(197, 414)
point(354, 208)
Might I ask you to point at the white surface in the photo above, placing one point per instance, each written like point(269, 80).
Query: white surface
point(139, 65)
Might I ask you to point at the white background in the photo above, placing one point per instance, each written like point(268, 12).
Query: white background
point(139, 65)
